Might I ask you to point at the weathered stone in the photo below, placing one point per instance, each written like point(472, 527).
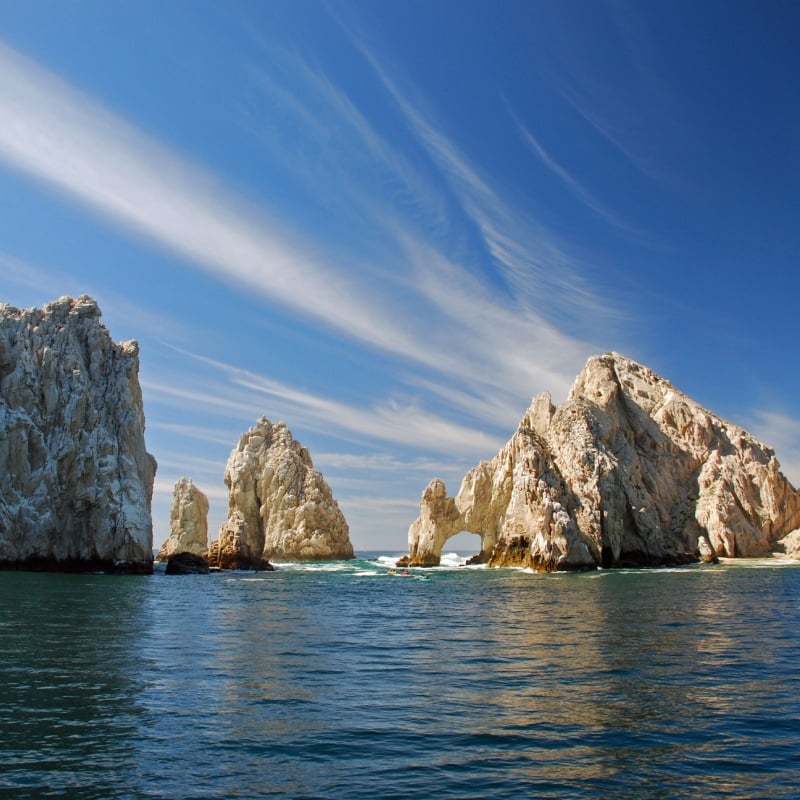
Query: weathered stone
point(76, 483)
point(280, 507)
point(186, 564)
point(790, 544)
point(188, 521)
point(628, 471)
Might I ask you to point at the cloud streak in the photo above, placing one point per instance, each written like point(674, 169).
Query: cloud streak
point(403, 423)
point(69, 141)
point(66, 139)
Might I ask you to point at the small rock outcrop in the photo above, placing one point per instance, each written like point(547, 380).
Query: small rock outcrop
point(186, 564)
point(627, 471)
point(188, 521)
point(77, 482)
point(280, 508)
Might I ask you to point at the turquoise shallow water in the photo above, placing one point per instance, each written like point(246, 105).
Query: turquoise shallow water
point(340, 681)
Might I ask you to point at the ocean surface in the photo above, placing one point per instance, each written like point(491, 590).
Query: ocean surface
point(342, 681)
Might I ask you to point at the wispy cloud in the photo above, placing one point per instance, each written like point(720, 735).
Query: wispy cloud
point(567, 179)
point(541, 274)
point(405, 423)
point(61, 136)
point(68, 140)
point(781, 432)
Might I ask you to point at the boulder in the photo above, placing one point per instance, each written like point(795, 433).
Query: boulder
point(77, 481)
point(627, 471)
point(280, 508)
point(188, 521)
point(186, 564)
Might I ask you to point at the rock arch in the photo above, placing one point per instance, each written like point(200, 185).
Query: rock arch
point(441, 517)
point(627, 471)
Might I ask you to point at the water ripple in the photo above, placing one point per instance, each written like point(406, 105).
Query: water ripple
point(344, 682)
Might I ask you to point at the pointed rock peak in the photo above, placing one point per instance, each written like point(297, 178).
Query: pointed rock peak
point(627, 471)
point(188, 521)
point(540, 414)
point(280, 507)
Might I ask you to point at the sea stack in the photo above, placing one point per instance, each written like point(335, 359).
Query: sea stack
point(627, 471)
point(77, 481)
point(280, 508)
point(188, 521)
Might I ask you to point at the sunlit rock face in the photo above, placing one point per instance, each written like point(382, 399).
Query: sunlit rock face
point(790, 544)
point(627, 471)
point(188, 521)
point(280, 507)
point(76, 482)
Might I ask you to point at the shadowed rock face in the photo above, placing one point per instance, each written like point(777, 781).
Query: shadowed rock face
point(76, 483)
point(628, 471)
point(188, 521)
point(280, 507)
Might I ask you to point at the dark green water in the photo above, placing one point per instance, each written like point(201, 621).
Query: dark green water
point(344, 682)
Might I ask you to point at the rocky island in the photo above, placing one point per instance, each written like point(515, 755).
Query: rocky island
point(279, 507)
point(77, 481)
point(627, 471)
point(188, 521)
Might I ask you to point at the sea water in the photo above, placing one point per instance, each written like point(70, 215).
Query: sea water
point(342, 680)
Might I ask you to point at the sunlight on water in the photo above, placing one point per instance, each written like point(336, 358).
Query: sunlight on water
point(340, 680)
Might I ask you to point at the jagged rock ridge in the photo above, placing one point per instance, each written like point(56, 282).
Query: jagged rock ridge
point(627, 471)
point(279, 508)
point(188, 521)
point(77, 482)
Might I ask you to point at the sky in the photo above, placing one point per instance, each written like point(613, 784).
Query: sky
point(391, 224)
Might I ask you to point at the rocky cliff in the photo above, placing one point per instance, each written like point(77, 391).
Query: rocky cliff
point(76, 483)
point(279, 507)
point(627, 471)
point(188, 521)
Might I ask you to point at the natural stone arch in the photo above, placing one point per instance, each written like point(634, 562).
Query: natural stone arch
point(467, 545)
point(440, 519)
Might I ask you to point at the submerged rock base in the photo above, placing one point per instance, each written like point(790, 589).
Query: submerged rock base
point(45, 564)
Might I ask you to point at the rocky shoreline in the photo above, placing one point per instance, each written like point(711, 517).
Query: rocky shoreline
point(628, 471)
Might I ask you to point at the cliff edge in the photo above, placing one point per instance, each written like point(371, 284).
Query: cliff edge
point(627, 471)
point(77, 482)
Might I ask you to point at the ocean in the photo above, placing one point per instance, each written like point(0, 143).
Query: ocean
point(341, 680)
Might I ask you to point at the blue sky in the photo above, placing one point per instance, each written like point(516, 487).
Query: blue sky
point(390, 224)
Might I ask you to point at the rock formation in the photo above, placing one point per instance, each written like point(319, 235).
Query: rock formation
point(188, 521)
point(76, 483)
point(280, 507)
point(627, 471)
point(186, 564)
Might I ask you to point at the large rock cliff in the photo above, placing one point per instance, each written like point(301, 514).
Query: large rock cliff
point(76, 483)
point(627, 471)
point(188, 521)
point(280, 507)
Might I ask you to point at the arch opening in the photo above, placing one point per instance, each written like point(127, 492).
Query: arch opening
point(464, 545)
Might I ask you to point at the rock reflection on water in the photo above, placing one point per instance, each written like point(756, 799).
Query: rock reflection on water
point(69, 677)
point(353, 684)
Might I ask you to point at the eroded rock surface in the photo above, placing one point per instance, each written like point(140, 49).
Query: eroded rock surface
point(76, 482)
point(280, 507)
point(627, 471)
point(188, 521)
point(186, 564)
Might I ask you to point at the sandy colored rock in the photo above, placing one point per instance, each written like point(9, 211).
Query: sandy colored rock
point(627, 471)
point(188, 521)
point(790, 544)
point(76, 483)
point(280, 507)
